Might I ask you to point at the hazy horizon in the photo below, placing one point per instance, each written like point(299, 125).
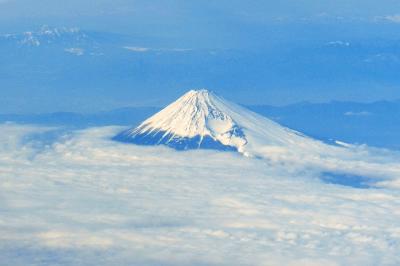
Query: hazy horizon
point(141, 53)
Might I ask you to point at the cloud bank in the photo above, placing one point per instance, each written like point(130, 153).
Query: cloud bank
point(77, 198)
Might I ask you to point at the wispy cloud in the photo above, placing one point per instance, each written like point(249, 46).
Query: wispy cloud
point(361, 113)
point(137, 49)
point(393, 18)
point(147, 49)
point(339, 43)
point(75, 51)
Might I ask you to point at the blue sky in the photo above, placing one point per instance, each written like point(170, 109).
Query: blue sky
point(204, 19)
point(276, 52)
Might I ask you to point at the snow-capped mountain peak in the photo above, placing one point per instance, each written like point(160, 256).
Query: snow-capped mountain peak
point(196, 113)
point(196, 120)
point(201, 119)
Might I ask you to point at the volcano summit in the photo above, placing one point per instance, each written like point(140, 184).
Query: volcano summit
point(202, 120)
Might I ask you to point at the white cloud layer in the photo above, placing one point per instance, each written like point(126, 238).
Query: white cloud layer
point(81, 199)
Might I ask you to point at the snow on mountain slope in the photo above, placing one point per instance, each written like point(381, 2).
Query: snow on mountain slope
point(46, 35)
point(200, 119)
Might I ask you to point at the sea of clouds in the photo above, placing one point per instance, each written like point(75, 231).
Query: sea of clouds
point(74, 197)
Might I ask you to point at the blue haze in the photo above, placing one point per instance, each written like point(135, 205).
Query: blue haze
point(257, 52)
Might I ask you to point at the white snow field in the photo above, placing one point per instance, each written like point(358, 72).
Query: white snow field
point(79, 198)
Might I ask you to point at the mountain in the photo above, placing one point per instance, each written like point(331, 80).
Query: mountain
point(47, 36)
point(202, 120)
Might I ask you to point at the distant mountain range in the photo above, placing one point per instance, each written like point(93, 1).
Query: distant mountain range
point(71, 62)
point(47, 36)
point(375, 124)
